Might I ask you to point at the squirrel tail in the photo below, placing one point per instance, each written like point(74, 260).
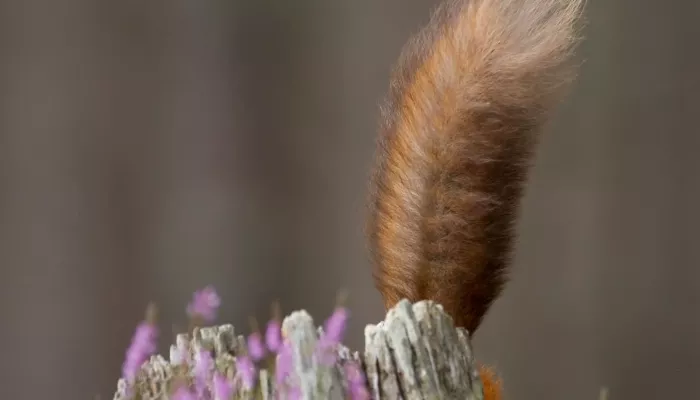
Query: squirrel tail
point(466, 100)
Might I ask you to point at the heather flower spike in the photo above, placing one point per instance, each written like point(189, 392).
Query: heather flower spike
point(294, 393)
point(256, 348)
point(333, 332)
point(284, 363)
point(245, 370)
point(334, 328)
point(183, 393)
point(204, 363)
point(223, 389)
point(356, 381)
point(359, 393)
point(143, 345)
point(273, 333)
point(204, 305)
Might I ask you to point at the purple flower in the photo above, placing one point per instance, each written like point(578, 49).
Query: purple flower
point(182, 393)
point(325, 351)
point(273, 333)
point(359, 392)
point(356, 381)
point(204, 304)
point(143, 345)
point(273, 336)
point(222, 388)
point(203, 365)
point(246, 371)
point(284, 363)
point(333, 332)
point(293, 393)
point(334, 328)
point(256, 349)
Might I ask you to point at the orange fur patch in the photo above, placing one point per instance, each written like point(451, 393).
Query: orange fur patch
point(491, 383)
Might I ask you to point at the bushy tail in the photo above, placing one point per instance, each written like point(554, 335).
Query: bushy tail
point(466, 100)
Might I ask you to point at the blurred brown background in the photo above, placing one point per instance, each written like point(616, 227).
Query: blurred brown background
point(148, 148)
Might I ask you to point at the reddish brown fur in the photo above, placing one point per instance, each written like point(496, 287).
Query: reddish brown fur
point(468, 95)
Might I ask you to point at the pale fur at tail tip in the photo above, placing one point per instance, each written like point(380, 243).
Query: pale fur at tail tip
point(467, 98)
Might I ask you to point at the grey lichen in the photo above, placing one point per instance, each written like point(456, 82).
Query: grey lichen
point(415, 353)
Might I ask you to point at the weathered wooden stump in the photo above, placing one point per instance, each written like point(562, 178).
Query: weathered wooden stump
point(415, 353)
